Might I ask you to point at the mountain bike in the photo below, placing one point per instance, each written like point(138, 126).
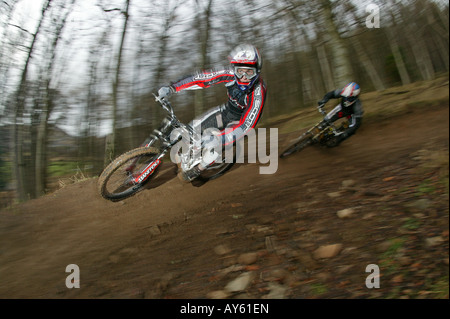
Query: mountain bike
point(129, 172)
point(323, 133)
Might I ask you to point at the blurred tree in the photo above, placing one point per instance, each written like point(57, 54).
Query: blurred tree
point(204, 31)
point(360, 50)
point(6, 46)
point(111, 141)
point(342, 69)
point(400, 63)
point(415, 33)
point(19, 106)
point(88, 152)
point(47, 99)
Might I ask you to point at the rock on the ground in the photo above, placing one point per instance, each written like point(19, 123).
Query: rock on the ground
point(327, 251)
point(240, 283)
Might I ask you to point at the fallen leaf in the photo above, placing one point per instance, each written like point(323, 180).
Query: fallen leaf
point(252, 267)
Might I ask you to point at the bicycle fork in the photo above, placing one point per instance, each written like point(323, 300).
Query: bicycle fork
point(148, 170)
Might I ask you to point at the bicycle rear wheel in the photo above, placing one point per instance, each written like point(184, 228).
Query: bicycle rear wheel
point(126, 175)
point(221, 166)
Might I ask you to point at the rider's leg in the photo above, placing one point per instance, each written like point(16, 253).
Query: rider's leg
point(211, 119)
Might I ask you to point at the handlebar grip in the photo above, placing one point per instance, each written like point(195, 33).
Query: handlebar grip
point(320, 107)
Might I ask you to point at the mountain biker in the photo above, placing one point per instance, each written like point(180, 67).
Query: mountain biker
point(246, 97)
point(350, 107)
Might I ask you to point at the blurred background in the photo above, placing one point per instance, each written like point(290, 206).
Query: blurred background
point(77, 76)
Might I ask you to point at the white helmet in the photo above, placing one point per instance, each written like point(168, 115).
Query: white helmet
point(350, 93)
point(245, 59)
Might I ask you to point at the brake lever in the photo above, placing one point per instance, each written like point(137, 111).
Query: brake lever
point(164, 104)
point(321, 109)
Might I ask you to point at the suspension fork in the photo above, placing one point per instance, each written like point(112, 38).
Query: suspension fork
point(157, 134)
point(149, 169)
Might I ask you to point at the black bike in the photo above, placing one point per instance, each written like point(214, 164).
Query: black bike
point(129, 172)
point(323, 133)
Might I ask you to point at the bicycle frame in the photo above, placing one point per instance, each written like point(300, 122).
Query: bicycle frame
point(316, 131)
point(319, 133)
point(164, 134)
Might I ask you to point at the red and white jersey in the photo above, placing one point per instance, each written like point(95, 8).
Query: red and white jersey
point(243, 106)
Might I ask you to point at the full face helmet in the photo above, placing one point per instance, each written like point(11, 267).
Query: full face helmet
point(350, 93)
point(247, 63)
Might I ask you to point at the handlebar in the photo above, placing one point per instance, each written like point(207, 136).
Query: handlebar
point(165, 104)
point(320, 107)
point(321, 110)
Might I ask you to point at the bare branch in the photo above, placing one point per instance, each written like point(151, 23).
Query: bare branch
point(115, 9)
point(19, 27)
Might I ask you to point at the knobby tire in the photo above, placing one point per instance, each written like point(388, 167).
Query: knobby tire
point(302, 142)
point(115, 182)
point(221, 169)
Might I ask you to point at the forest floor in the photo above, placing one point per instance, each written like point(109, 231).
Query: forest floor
point(308, 231)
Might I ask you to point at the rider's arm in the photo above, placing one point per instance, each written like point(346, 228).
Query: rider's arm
point(202, 80)
point(250, 117)
point(335, 94)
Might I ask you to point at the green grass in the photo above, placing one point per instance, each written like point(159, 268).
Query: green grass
point(411, 224)
point(57, 169)
point(318, 288)
point(5, 173)
point(426, 187)
point(440, 289)
point(388, 263)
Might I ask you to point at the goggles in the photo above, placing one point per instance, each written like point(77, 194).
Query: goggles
point(240, 71)
point(349, 100)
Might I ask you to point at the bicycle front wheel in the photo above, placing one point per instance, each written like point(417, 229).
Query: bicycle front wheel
point(303, 141)
point(126, 175)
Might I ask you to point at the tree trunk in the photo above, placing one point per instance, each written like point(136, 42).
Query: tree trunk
point(41, 145)
point(421, 55)
point(169, 19)
point(443, 50)
point(18, 127)
point(110, 147)
point(4, 66)
point(200, 95)
point(368, 65)
point(341, 63)
point(327, 75)
point(42, 131)
point(401, 67)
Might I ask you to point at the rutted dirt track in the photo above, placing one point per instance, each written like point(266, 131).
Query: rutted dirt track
point(181, 241)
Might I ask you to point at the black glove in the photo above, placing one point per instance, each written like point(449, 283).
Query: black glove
point(322, 102)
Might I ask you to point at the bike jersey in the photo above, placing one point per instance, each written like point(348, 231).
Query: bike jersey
point(353, 113)
point(242, 107)
point(354, 109)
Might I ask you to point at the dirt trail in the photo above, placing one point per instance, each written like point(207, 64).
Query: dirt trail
point(181, 241)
